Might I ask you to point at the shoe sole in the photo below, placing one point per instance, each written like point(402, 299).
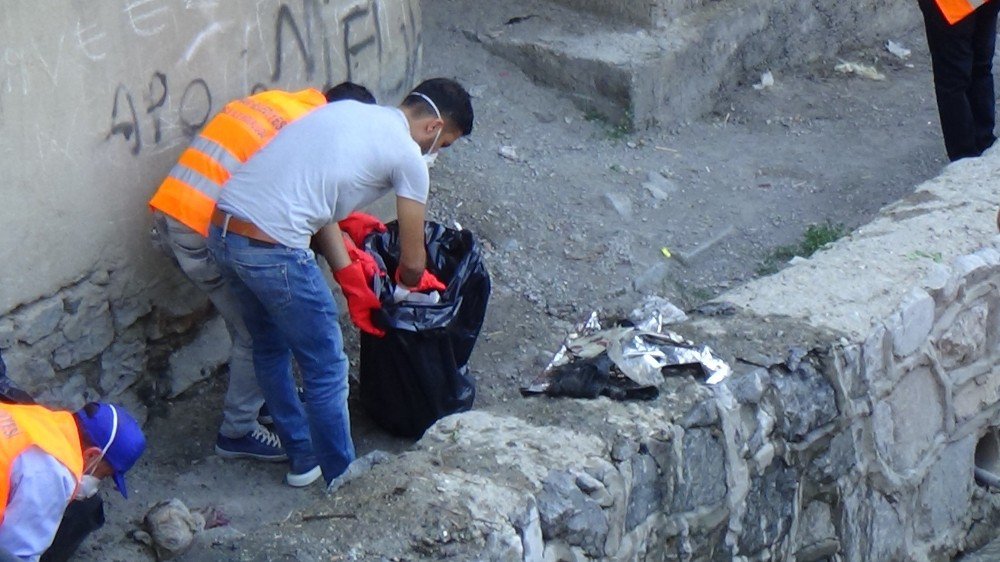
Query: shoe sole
point(237, 455)
point(304, 479)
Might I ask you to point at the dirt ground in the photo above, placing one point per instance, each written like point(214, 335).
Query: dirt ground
point(569, 227)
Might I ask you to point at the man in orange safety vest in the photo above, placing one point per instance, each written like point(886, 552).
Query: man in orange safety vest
point(183, 207)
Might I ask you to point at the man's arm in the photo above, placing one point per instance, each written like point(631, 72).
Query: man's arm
point(329, 242)
point(41, 488)
point(413, 253)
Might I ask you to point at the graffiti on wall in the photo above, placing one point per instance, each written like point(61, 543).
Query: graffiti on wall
point(308, 42)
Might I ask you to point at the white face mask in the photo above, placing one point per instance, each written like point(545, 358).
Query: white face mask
point(89, 484)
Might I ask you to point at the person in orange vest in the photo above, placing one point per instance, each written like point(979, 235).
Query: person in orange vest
point(52, 459)
point(183, 207)
point(961, 35)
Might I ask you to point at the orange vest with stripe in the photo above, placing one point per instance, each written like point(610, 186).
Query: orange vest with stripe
point(242, 128)
point(53, 432)
point(955, 10)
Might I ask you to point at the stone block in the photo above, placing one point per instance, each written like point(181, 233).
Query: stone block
point(201, 358)
point(646, 497)
point(748, 388)
point(946, 492)
point(38, 319)
point(7, 333)
point(977, 393)
point(971, 268)
point(871, 529)
point(805, 401)
point(816, 538)
point(877, 360)
point(88, 343)
point(964, 340)
point(122, 364)
point(569, 515)
point(917, 412)
point(29, 372)
point(702, 480)
point(912, 324)
point(769, 506)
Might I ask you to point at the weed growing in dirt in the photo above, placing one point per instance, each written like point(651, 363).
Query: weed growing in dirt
point(613, 131)
point(815, 237)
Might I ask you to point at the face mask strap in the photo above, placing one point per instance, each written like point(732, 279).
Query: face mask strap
point(114, 433)
point(436, 112)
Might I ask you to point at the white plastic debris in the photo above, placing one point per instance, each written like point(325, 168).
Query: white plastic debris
point(895, 48)
point(862, 70)
point(509, 152)
point(766, 81)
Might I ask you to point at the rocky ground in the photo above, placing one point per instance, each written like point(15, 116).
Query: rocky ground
point(574, 214)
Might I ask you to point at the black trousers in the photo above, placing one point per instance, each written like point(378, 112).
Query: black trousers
point(81, 518)
point(962, 59)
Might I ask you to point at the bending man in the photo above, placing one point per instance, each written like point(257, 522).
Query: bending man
point(336, 159)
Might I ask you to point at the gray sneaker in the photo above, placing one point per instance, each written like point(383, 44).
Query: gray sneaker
point(260, 444)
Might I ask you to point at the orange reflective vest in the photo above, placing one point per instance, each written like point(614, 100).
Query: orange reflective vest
point(53, 432)
point(955, 10)
point(242, 128)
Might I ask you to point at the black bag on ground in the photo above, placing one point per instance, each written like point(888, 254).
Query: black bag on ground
point(418, 373)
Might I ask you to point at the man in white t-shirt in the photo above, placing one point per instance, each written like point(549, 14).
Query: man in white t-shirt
point(336, 159)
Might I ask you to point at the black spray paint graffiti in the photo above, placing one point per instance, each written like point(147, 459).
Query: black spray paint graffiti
point(193, 112)
point(360, 31)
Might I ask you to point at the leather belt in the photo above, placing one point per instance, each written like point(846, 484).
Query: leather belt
point(230, 223)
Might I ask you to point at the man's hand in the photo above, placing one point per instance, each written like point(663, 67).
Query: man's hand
point(428, 282)
point(361, 300)
point(412, 251)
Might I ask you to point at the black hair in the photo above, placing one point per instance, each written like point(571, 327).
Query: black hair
point(349, 91)
point(451, 99)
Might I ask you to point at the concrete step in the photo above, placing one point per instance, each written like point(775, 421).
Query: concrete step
point(649, 13)
point(670, 73)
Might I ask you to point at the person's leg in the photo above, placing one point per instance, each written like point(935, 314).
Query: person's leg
point(295, 309)
point(951, 60)
point(312, 327)
point(243, 396)
point(258, 280)
point(81, 518)
point(981, 95)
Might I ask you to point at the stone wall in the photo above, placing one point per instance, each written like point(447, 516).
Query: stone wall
point(864, 394)
point(96, 102)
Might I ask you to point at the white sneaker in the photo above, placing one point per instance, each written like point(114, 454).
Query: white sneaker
point(301, 479)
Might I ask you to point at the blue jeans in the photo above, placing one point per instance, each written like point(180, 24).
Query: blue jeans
point(289, 310)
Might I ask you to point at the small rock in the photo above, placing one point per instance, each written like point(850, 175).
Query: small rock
point(509, 153)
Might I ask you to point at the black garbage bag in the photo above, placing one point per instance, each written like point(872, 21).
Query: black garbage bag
point(418, 372)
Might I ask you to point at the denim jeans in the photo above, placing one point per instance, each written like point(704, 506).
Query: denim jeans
point(289, 310)
point(189, 249)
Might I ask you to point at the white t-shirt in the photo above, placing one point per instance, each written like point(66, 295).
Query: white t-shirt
point(40, 489)
point(334, 160)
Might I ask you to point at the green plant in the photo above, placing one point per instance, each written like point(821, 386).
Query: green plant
point(613, 131)
point(814, 238)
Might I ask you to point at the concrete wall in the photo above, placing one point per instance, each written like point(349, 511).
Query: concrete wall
point(97, 99)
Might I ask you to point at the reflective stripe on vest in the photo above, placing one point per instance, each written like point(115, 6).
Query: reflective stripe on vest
point(53, 432)
point(956, 10)
point(243, 127)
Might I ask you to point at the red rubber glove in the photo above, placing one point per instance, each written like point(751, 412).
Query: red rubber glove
point(361, 300)
point(359, 225)
point(428, 282)
point(368, 263)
